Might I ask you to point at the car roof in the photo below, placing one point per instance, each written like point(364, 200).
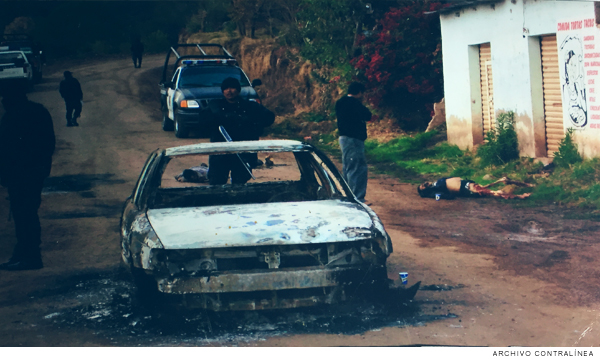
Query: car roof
point(239, 146)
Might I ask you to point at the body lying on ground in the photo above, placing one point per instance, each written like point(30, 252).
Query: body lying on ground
point(449, 188)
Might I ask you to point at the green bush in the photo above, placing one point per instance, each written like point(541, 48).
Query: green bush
point(501, 144)
point(230, 28)
point(102, 48)
point(156, 42)
point(567, 152)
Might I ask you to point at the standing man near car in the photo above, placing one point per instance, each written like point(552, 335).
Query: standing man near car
point(352, 117)
point(243, 120)
point(137, 50)
point(26, 143)
point(70, 90)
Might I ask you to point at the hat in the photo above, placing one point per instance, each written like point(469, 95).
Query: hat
point(67, 73)
point(231, 83)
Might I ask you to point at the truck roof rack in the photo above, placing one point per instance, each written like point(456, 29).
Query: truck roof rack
point(16, 37)
point(203, 49)
point(208, 53)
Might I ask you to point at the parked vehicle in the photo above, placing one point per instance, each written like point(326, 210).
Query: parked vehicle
point(192, 81)
point(294, 237)
point(15, 65)
point(33, 51)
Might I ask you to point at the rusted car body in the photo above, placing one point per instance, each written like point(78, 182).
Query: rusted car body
point(274, 242)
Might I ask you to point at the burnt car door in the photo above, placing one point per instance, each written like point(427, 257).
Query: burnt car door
point(135, 205)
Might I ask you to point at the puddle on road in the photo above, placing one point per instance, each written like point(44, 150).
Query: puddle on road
point(77, 183)
point(96, 210)
point(105, 303)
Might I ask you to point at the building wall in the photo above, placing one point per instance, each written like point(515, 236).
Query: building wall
point(513, 29)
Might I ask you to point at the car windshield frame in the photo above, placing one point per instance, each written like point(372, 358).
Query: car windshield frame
point(315, 170)
point(15, 55)
point(218, 74)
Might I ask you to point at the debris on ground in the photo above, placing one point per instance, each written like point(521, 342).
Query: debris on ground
point(196, 174)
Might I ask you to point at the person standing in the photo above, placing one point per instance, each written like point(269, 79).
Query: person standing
point(70, 90)
point(243, 120)
point(137, 50)
point(352, 117)
point(27, 143)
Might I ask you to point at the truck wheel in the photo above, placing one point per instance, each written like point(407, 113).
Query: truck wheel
point(37, 76)
point(180, 130)
point(167, 124)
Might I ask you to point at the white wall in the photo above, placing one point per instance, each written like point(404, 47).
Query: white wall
point(515, 63)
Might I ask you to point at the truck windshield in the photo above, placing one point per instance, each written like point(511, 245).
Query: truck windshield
point(209, 76)
point(8, 58)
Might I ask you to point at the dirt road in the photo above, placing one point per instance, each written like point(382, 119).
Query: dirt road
point(491, 274)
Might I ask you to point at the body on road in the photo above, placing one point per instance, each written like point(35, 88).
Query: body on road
point(449, 188)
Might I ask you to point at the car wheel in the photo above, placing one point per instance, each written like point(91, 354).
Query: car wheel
point(167, 124)
point(37, 76)
point(180, 130)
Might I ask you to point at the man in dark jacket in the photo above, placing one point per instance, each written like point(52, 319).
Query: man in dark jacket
point(243, 120)
point(137, 50)
point(352, 117)
point(26, 143)
point(70, 90)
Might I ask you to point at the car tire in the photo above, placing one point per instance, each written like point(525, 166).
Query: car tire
point(180, 129)
point(37, 76)
point(167, 124)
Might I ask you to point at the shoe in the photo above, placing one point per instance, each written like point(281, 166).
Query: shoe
point(70, 124)
point(18, 265)
point(75, 123)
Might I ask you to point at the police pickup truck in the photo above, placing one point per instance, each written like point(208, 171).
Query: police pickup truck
point(189, 82)
point(15, 66)
point(33, 52)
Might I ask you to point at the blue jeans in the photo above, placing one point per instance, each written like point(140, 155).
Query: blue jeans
point(355, 170)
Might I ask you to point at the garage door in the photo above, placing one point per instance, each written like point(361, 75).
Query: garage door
point(487, 88)
point(553, 113)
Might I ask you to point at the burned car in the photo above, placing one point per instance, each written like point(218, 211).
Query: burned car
point(294, 236)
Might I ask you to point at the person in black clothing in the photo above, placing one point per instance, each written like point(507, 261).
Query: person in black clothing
point(243, 120)
point(352, 117)
point(26, 143)
point(70, 90)
point(137, 50)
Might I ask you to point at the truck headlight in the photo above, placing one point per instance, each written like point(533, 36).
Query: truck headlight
point(190, 104)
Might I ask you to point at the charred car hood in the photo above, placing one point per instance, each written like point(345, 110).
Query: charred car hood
point(307, 222)
point(214, 92)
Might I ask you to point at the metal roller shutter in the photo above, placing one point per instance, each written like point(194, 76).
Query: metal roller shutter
point(487, 87)
point(553, 112)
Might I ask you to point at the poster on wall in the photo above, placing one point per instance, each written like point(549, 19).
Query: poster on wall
point(579, 68)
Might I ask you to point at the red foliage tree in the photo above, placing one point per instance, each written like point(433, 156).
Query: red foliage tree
point(401, 62)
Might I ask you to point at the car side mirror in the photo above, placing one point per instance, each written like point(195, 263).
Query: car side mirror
point(19, 62)
point(256, 82)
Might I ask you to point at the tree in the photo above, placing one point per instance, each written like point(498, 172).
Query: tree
point(328, 28)
point(401, 62)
